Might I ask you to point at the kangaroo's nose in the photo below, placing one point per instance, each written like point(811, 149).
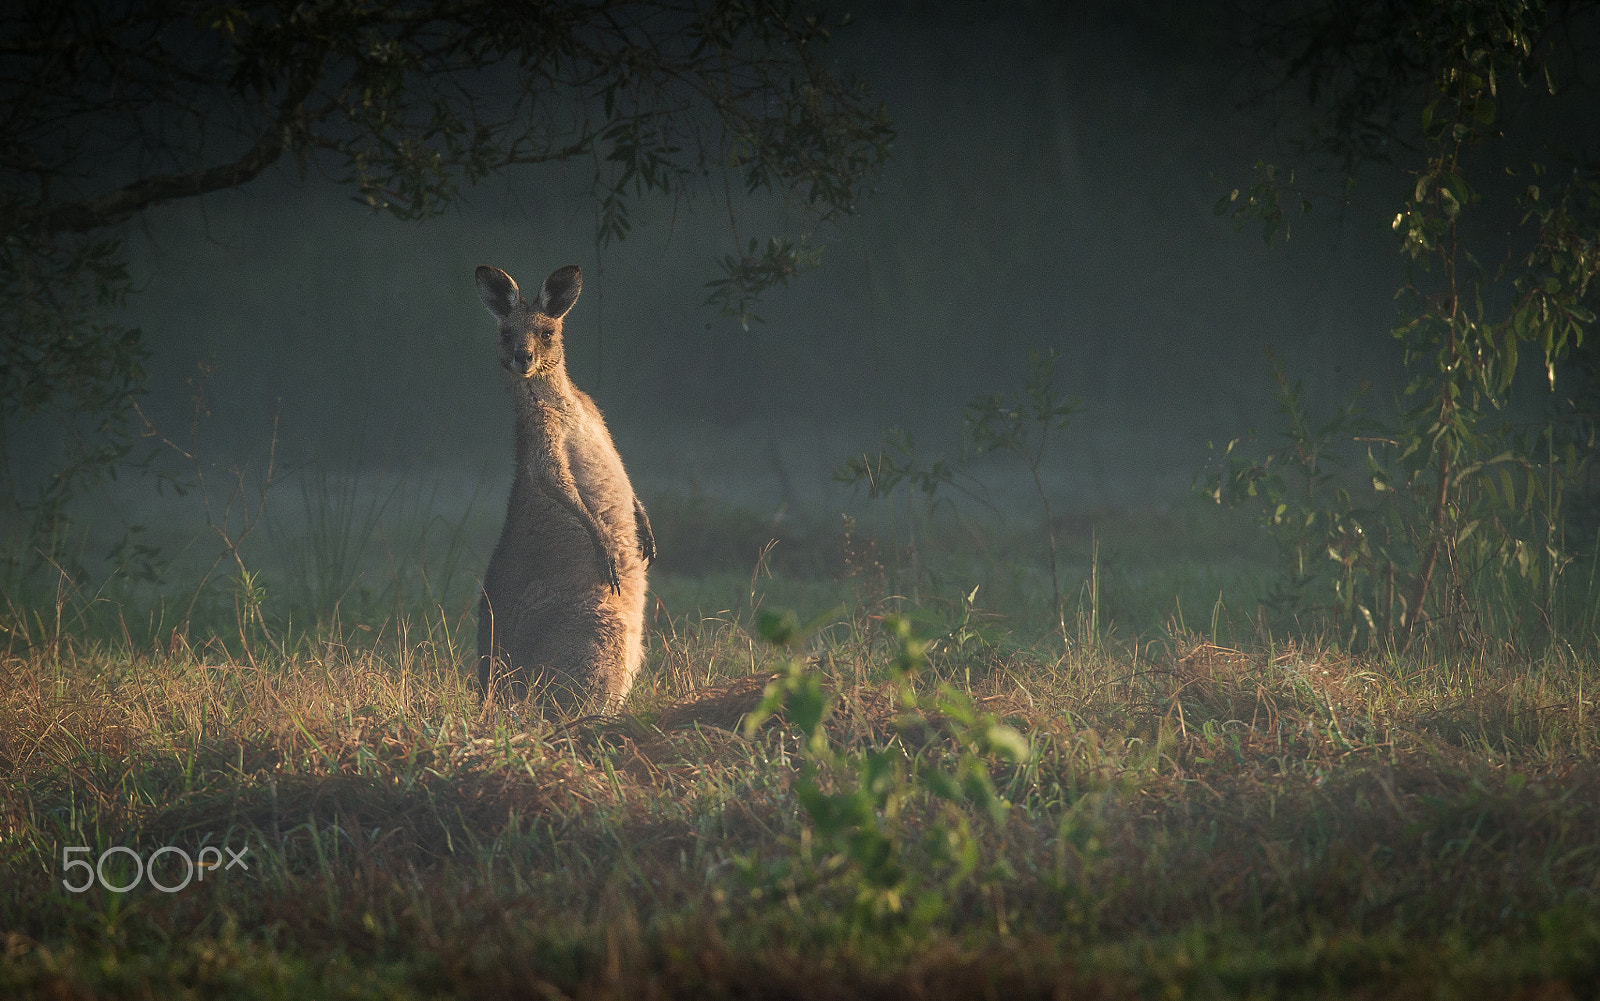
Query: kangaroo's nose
point(524, 359)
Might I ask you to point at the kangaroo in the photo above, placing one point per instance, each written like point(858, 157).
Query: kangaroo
point(562, 607)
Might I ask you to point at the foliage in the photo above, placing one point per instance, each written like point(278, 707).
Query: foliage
point(1307, 505)
point(111, 109)
point(858, 803)
point(1462, 487)
point(894, 464)
point(749, 274)
point(405, 100)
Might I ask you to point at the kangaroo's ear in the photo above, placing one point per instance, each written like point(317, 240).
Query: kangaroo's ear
point(560, 291)
point(497, 291)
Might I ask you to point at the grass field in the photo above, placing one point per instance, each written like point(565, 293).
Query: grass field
point(1204, 807)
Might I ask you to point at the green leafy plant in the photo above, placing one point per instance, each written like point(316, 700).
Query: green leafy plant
point(1464, 495)
point(1306, 502)
point(860, 803)
point(746, 276)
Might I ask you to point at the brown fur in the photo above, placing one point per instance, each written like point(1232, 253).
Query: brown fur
point(562, 608)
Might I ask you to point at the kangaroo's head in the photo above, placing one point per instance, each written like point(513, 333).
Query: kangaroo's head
point(530, 332)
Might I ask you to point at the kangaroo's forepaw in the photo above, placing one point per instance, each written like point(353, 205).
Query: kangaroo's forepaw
point(647, 552)
point(608, 573)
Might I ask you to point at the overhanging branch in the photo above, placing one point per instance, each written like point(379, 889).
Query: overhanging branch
point(124, 203)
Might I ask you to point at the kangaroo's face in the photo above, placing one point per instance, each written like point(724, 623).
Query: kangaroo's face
point(530, 332)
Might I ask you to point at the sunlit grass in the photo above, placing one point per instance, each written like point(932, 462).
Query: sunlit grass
point(1267, 818)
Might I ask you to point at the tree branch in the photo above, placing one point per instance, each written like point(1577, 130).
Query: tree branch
point(124, 203)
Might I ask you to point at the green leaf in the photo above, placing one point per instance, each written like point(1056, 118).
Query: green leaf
point(819, 806)
point(981, 793)
point(939, 782)
point(805, 704)
point(780, 628)
point(880, 774)
point(1007, 742)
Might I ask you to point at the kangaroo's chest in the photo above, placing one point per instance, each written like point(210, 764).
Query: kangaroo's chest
point(591, 456)
point(584, 446)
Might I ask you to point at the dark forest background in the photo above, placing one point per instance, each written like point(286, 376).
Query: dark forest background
point(1051, 186)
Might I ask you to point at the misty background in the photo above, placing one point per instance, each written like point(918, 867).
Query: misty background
point(1052, 185)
